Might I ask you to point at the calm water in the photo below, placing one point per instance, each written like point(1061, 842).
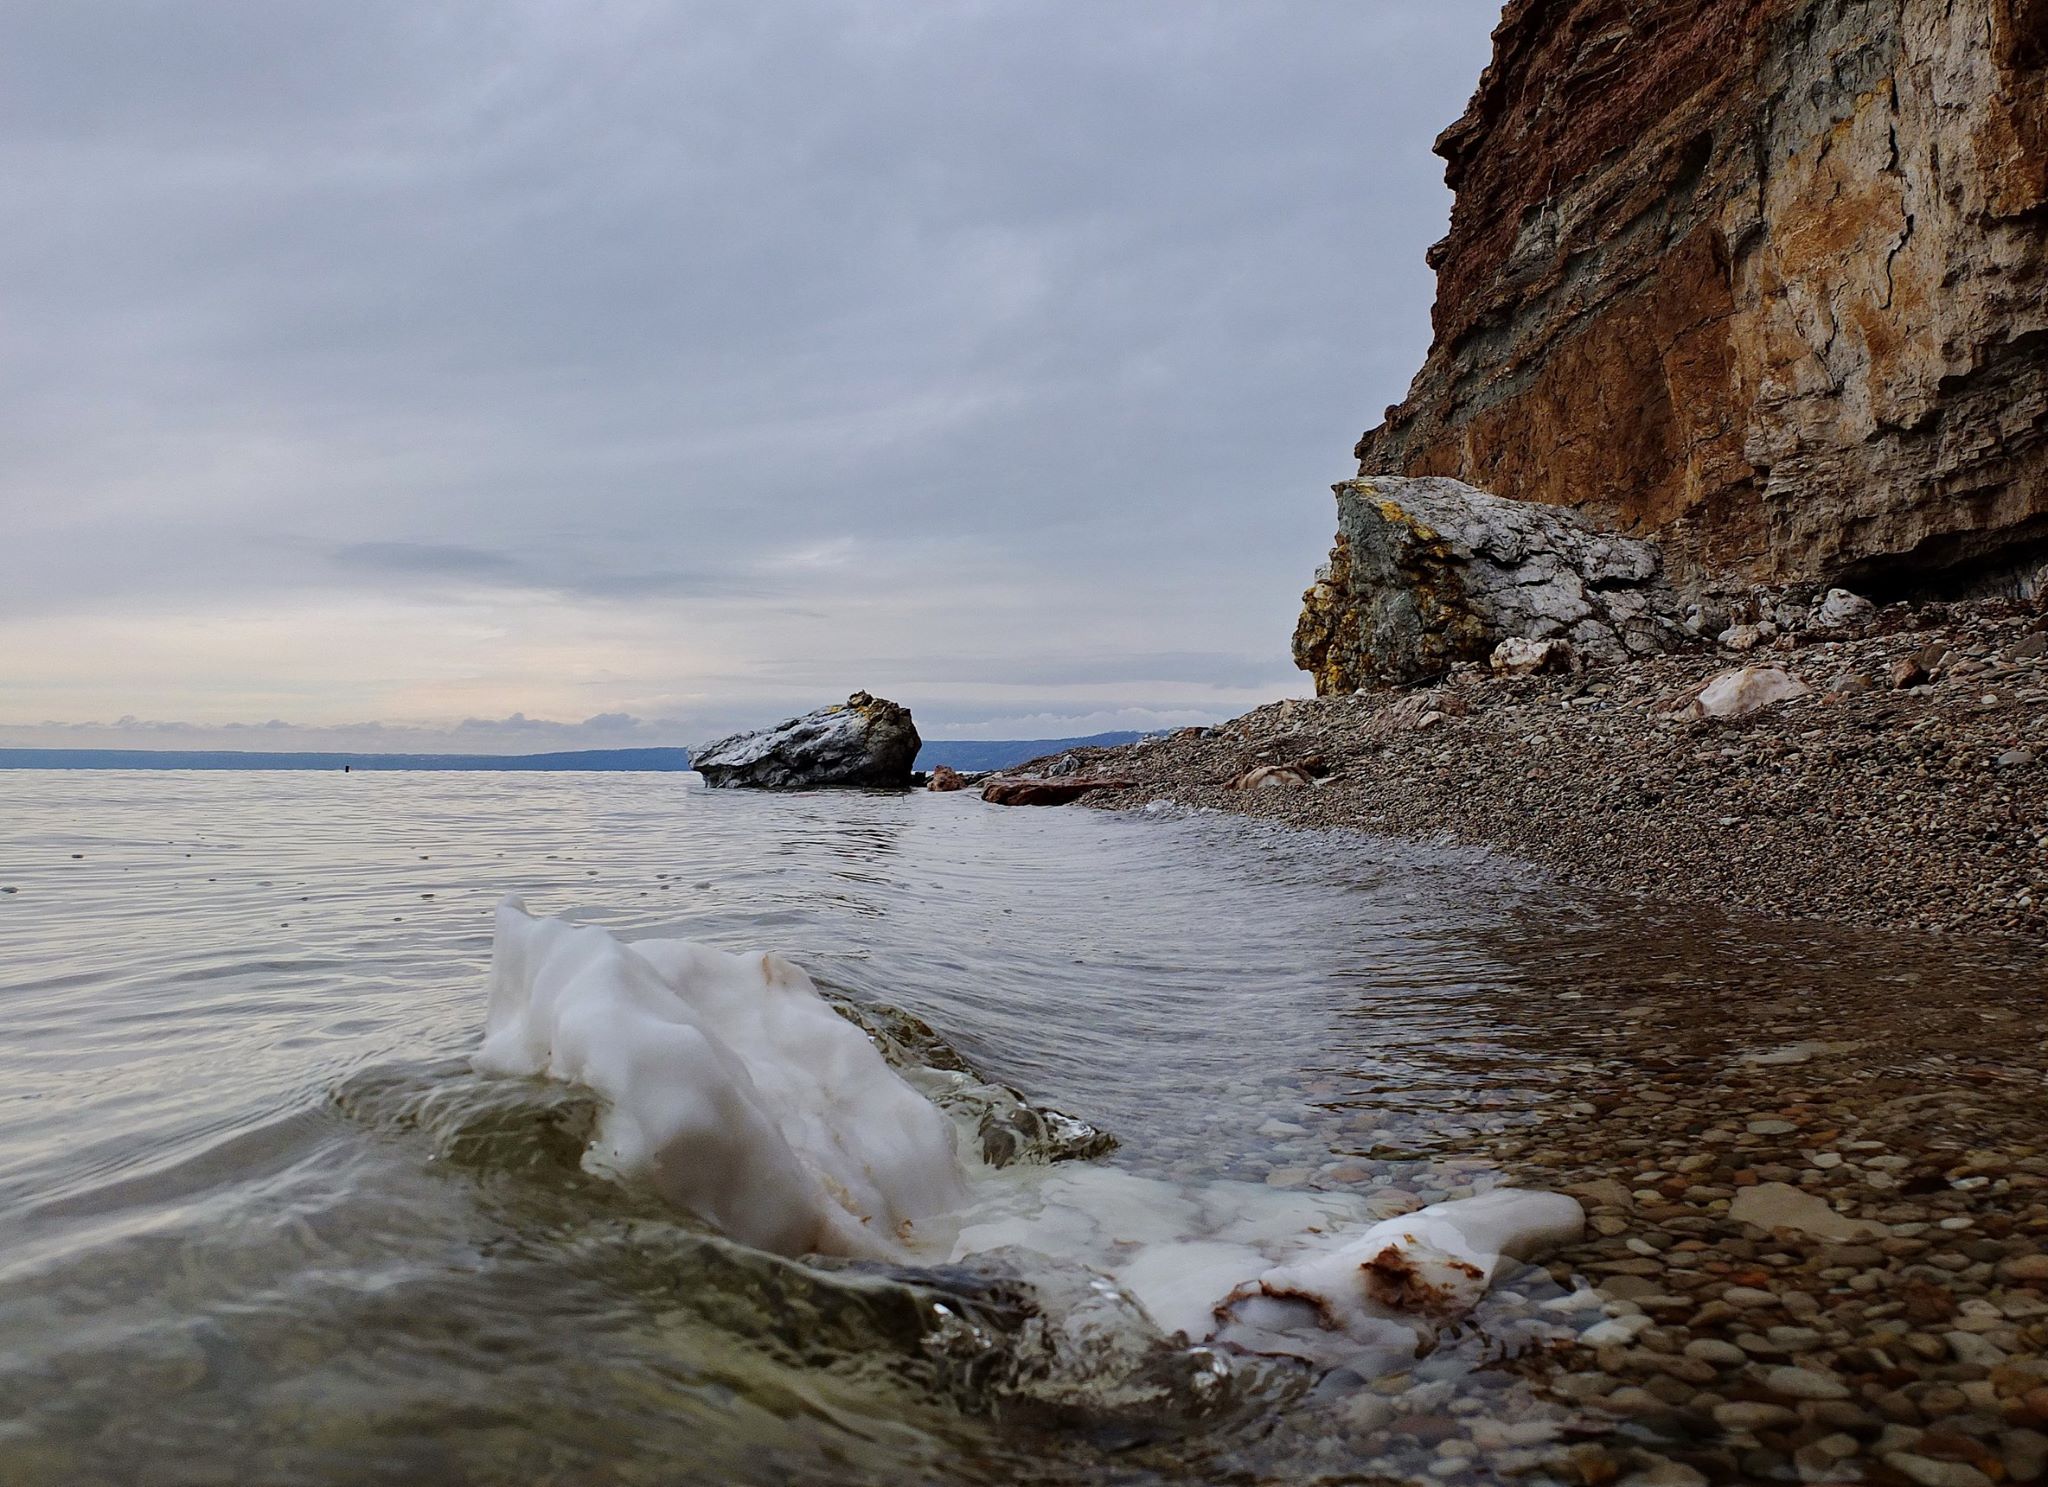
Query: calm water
point(259, 1224)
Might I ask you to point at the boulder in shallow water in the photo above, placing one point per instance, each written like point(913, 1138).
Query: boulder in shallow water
point(863, 741)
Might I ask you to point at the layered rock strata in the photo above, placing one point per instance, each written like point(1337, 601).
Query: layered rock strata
point(1427, 573)
point(1767, 279)
point(863, 741)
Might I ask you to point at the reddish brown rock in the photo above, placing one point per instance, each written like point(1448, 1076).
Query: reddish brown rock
point(1766, 279)
point(1046, 792)
point(945, 779)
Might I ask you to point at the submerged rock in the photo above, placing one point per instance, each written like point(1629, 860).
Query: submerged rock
point(1427, 573)
point(1778, 1205)
point(945, 780)
point(864, 741)
point(1046, 792)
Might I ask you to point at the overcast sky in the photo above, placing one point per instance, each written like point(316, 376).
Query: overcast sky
point(658, 366)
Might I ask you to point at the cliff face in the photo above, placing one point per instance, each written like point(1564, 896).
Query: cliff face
point(1767, 279)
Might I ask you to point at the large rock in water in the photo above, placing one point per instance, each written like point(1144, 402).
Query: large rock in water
point(864, 741)
point(1767, 279)
point(1427, 573)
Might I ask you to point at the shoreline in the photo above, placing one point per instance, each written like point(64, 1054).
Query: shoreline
point(1907, 791)
point(1816, 1188)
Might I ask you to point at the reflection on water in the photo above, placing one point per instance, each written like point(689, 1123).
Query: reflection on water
point(258, 1224)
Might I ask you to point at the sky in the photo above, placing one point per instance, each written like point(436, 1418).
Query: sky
point(535, 374)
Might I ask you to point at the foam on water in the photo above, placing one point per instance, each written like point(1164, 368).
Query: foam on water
point(739, 1092)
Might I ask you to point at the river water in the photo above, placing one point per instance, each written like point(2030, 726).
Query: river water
point(260, 1224)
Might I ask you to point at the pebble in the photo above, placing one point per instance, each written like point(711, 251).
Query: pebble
point(1614, 1330)
point(1714, 1350)
point(1751, 1415)
point(2026, 1269)
point(1928, 1472)
point(1804, 1383)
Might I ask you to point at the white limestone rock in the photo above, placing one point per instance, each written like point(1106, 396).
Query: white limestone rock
point(1518, 657)
point(1841, 610)
point(1737, 694)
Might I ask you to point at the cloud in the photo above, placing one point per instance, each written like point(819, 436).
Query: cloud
point(517, 734)
point(508, 356)
point(427, 560)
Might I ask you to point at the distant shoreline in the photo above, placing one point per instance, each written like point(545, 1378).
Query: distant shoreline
point(597, 760)
point(965, 754)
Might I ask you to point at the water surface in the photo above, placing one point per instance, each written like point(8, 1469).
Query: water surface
point(259, 1224)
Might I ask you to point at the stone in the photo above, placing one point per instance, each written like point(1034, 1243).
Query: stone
point(2027, 1270)
point(1974, 1350)
point(1926, 1471)
point(1048, 792)
point(1747, 637)
point(2026, 1455)
point(1662, 1471)
point(1766, 279)
point(944, 780)
point(1426, 574)
point(1804, 1383)
point(1778, 1205)
point(1907, 672)
point(1748, 1414)
point(865, 741)
point(1749, 1296)
point(1717, 1352)
point(1841, 610)
point(2015, 759)
point(1271, 777)
point(1518, 657)
point(1737, 694)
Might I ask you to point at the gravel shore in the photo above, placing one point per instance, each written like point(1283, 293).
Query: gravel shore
point(1908, 790)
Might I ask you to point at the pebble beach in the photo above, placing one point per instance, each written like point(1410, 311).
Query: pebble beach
point(1907, 790)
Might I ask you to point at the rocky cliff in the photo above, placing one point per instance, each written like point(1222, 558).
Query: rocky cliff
point(1767, 279)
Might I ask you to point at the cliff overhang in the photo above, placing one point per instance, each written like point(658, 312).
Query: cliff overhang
point(1764, 280)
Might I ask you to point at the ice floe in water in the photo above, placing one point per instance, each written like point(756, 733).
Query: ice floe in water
point(733, 1087)
point(728, 1082)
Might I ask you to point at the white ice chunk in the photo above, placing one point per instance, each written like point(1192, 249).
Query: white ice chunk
point(1439, 1259)
point(737, 1090)
point(1179, 1284)
point(729, 1083)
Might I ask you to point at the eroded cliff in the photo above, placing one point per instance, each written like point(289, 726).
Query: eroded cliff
point(1767, 279)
